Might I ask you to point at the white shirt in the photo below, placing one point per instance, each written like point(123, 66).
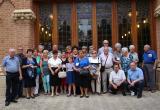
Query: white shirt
point(109, 62)
point(94, 60)
point(117, 77)
point(54, 62)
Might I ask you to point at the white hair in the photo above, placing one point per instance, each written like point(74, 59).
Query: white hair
point(45, 51)
point(131, 47)
point(41, 46)
point(147, 46)
point(105, 41)
point(124, 49)
point(12, 50)
point(117, 45)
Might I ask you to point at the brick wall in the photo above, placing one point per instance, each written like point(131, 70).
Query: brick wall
point(14, 33)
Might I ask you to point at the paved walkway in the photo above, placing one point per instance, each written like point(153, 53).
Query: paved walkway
point(150, 101)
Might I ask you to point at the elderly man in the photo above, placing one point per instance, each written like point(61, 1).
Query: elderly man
point(135, 80)
point(12, 69)
point(117, 80)
point(54, 47)
point(107, 62)
point(133, 53)
point(105, 44)
point(149, 64)
point(21, 57)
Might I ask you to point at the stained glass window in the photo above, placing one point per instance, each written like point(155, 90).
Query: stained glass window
point(84, 14)
point(124, 21)
point(104, 21)
point(46, 25)
point(64, 25)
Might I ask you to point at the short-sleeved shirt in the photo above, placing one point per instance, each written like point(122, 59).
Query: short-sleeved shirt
point(135, 74)
point(101, 50)
point(150, 56)
point(69, 66)
point(55, 62)
point(80, 63)
point(107, 62)
point(117, 77)
point(11, 64)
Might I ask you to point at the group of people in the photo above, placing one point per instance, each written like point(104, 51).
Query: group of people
point(78, 71)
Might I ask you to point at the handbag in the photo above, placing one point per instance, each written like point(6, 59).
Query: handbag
point(82, 71)
point(62, 74)
point(103, 67)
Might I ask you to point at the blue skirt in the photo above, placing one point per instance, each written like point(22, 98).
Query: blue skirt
point(70, 77)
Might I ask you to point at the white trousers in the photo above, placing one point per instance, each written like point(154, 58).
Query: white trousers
point(105, 79)
point(36, 90)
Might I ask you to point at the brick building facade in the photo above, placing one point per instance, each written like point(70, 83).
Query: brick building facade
point(22, 32)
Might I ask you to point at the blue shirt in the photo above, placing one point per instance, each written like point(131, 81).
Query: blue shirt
point(150, 56)
point(80, 63)
point(135, 74)
point(11, 64)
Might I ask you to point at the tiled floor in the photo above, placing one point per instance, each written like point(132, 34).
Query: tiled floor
point(150, 101)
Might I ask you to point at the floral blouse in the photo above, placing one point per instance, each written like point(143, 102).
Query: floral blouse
point(125, 62)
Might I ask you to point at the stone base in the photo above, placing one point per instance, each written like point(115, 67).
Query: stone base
point(2, 85)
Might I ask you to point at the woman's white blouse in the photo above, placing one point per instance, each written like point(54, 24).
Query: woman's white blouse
point(94, 60)
point(55, 62)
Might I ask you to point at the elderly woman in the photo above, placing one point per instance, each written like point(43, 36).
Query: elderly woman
point(82, 67)
point(95, 64)
point(29, 65)
point(133, 53)
point(117, 53)
point(68, 51)
point(54, 64)
point(126, 59)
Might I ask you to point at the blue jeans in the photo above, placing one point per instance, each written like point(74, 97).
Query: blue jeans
point(46, 83)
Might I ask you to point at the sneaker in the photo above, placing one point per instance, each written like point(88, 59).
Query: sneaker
point(132, 93)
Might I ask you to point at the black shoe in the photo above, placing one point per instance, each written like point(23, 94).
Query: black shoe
point(139, 96)
point(87, 96)
point(32, 97)
point(153, 91)
point(81, 96)
point(14, 101)
point(7, 103)
point(36, 95)
point(27, 97)
point(123, 93)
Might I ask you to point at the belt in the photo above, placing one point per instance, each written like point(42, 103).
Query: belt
point(108, 68)
point(149, 63)
point(12, 73)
